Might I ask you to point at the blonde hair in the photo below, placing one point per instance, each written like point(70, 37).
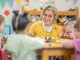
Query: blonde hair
point(69, 23)
point(1, 19)
point(53, 9)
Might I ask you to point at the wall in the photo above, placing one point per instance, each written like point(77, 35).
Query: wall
point(35, 4)
point(59, 4)
point(8, 29)
point(78, 4)
point(7, 7)
point(63, 5)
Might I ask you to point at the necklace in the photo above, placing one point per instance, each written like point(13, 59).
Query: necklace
point(47, 28)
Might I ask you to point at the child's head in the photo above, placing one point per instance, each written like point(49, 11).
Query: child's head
point(68, 31)
point(20, 22)
point(77, 28)
point(2, 23)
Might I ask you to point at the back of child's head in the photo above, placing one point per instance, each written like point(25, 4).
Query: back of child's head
point(19, 22)
point(1, 19)
point(77, 25)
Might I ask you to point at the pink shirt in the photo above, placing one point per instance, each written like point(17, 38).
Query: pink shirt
point(3, 55)
point(76, 44)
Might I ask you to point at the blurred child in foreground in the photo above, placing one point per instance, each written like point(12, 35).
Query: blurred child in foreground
point(20, 45)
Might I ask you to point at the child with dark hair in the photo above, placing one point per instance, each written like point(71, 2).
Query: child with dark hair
point(76, 42)
point(22, 46)
point(20, 22)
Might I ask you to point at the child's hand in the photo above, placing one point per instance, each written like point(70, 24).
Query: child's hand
point(67, 43)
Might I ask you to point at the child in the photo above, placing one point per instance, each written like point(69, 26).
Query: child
point(20, 45)
point(67, 33)
point(3, 55)
point(68, 30)
point(76, 42)
point(2, 23)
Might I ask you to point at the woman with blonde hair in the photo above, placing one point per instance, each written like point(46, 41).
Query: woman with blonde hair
point(46, 27)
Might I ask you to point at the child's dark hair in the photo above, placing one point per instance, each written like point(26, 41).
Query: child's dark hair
point(1, 19)
point(19, 22)
point(77, 25)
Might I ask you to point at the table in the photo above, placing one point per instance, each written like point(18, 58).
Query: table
point(55, 49)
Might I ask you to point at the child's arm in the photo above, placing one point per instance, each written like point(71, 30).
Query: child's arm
point(67, 43)
point(35, 43)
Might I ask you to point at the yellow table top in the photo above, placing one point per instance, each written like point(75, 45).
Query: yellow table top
point(53, 45)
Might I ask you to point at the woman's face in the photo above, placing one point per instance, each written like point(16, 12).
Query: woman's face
point(48, 17)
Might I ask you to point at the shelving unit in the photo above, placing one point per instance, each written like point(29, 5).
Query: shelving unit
point(66, 13)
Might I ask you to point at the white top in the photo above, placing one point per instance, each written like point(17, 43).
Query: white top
point(23, 47)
